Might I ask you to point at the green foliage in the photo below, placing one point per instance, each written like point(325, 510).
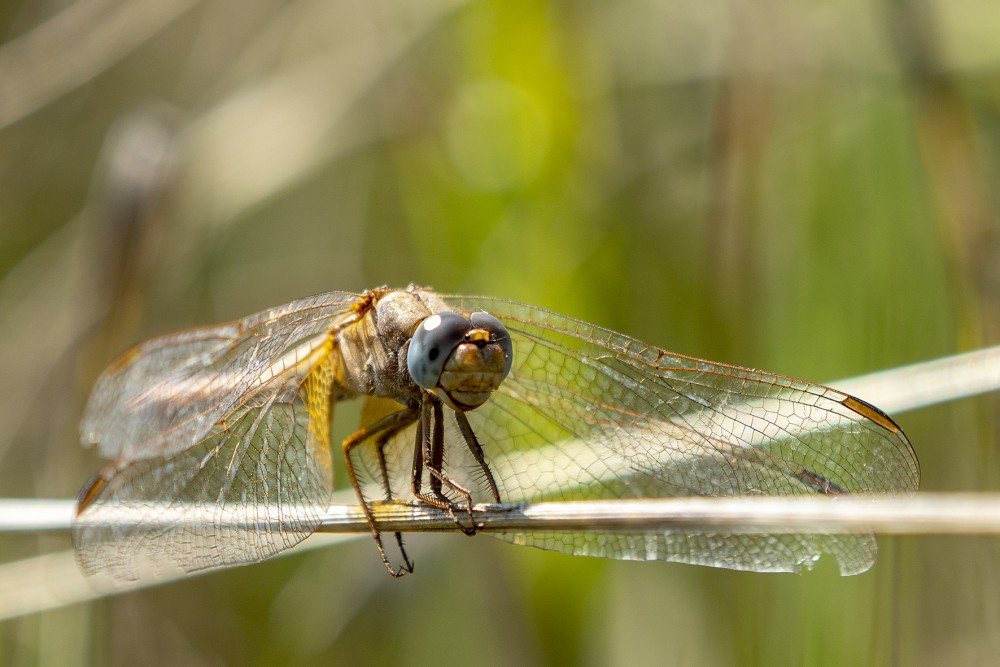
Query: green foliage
point(806, 189)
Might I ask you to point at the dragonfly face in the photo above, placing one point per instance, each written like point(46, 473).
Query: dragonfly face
point(461, 359)
point(219, 438)
point(401, 344)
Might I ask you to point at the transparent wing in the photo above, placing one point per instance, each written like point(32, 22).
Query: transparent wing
point(164, 395)
point(589, 413)
point(220, 439)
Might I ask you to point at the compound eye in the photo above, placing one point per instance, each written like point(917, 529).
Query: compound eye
point(498, 335)
point(432, 343)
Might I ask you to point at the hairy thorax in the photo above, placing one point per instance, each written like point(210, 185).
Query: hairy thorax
point(373, 348)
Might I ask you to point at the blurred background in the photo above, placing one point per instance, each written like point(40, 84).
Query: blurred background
point(809, 188)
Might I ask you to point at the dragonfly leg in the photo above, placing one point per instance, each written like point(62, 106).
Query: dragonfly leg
point(380, 443)
point(390, 424)
point(429, 453)
point(477, 451)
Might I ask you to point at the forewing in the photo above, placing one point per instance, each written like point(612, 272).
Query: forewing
point(589, 413)
point(223, 453)
point(164, 395)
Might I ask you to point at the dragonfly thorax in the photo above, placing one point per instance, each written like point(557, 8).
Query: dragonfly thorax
point(405, 343)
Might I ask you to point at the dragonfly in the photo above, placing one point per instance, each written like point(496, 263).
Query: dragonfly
point(219, 438)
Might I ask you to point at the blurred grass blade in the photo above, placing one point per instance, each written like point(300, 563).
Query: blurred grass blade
point(926, 513)
point(929, 382)
point(73, 47)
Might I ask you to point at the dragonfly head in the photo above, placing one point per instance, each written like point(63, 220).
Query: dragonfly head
point(461, 359)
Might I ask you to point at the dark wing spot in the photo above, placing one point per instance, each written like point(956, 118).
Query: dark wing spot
point(820, 484)
point(870, 412)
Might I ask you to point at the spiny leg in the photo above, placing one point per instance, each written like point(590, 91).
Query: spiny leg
point(417, 471)
point(430, 453)
point(380, 444)
point(422, 455)
point(477, 451)
point(436, 455)
point(438, 476)
point(392, 423)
